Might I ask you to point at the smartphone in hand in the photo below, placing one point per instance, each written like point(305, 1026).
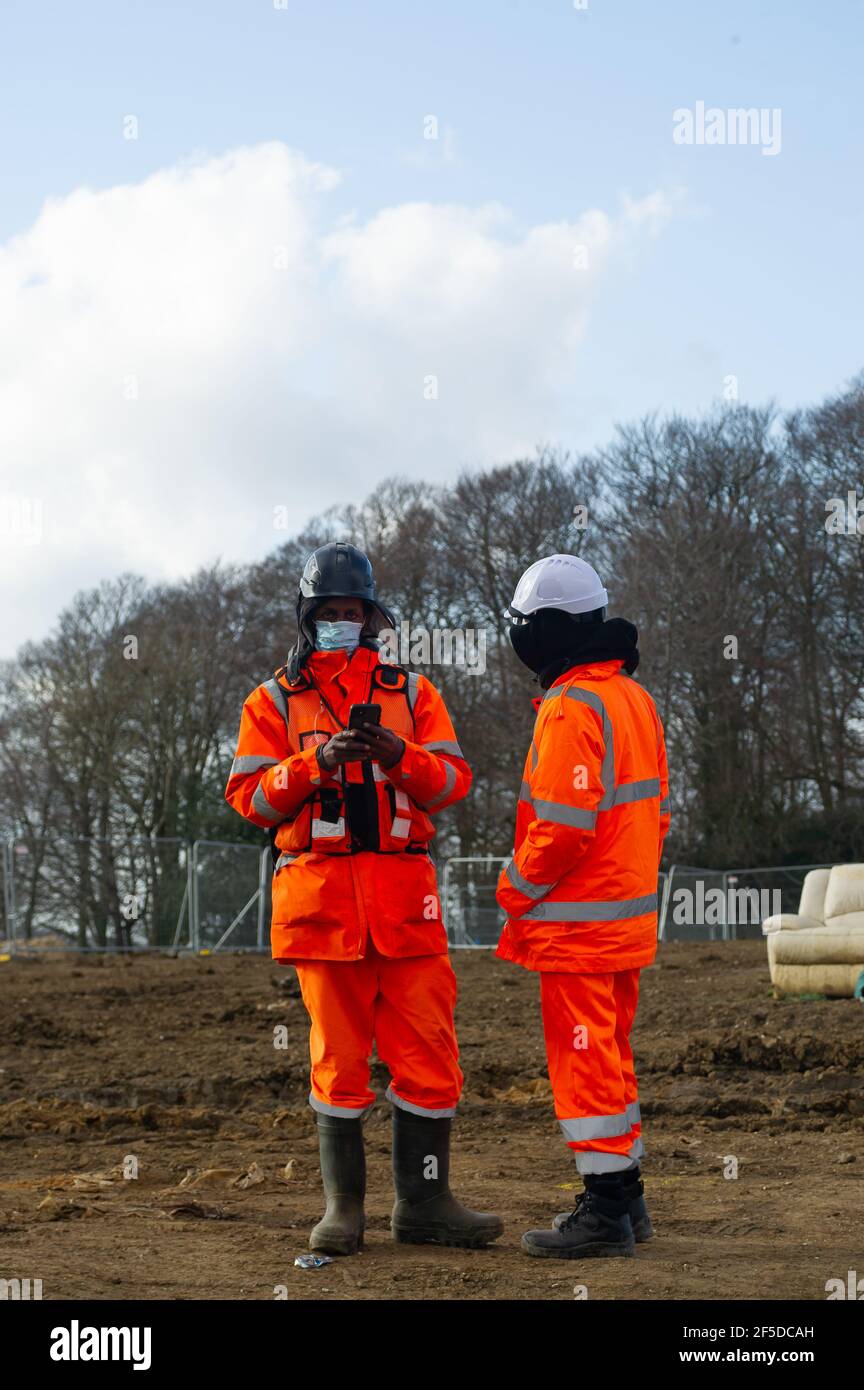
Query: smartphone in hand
point(363, 714)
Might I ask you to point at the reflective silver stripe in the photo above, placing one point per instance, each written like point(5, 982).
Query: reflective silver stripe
point(277, 695)
point(607, 771)
point(664, 805)
point(554, 693)
point(596, 1127)
point(592, 912)
point(402, 819)
point(444, 746)
point(251, 762)
point(283, 860)
point(449, 784)
point(263, 806)
point(391, 1095)
point(327, 829)
point(634, 1114)
point(342, 1112)
point(560, 814)
point(636, 791)
point(531, 890)
point(592, 1161)
point(413, 689)
point(626, 792)
point(557, 812)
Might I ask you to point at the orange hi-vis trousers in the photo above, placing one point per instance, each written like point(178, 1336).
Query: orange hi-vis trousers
point(404, 1006)
point(587, 1021)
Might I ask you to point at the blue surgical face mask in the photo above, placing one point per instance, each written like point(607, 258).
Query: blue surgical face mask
point(329, 637)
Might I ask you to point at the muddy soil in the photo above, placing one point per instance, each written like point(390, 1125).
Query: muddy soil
point(166, 1068)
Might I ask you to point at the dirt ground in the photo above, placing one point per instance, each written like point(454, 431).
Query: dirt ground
point(171, 1064)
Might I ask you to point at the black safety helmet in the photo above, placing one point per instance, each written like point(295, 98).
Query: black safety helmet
point(335, 570)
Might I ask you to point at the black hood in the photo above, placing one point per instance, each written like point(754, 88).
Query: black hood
point(552, 642)
point(335, 570)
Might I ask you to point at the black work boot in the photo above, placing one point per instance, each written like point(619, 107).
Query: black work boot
point(343, 1172)
point(598, 1225)
point(426, 1212)
point(633, 1193)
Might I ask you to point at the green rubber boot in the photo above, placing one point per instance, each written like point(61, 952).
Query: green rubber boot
point(426, 1212)
point(343, 1171)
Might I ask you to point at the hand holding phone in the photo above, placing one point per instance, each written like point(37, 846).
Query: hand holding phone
point(384, 745)
point(358, 715)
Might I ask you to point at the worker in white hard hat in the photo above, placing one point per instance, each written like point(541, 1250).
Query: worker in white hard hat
point(580, 892)
point(561, 582)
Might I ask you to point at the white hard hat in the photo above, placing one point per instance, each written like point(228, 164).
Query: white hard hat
point(559, 581)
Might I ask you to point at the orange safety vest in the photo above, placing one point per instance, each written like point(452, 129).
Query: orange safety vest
point(322, 822)
point(328, 889)
point(581, 890)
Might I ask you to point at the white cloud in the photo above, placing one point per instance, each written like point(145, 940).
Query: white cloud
point(278, 352)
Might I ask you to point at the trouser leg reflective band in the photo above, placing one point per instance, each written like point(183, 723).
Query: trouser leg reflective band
point(586, 1022)
point(424, 1111)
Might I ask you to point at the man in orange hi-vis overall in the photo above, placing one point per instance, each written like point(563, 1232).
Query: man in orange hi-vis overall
point(355, 898)
point(580, 893)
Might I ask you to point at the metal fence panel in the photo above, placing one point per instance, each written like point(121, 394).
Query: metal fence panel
point(728, 904)
point(150, 894)
point(231, 896)
point(778, 889)
point(7, 924)
point(92, 894)
point(471, 915)
point(690, 908)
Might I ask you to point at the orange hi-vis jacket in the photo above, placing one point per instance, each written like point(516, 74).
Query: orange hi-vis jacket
point(581, 890)
point(328, 892)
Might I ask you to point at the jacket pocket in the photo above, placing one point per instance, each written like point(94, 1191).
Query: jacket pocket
point(314, 890)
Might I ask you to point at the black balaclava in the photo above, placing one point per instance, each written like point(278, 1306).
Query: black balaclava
point(551, 642)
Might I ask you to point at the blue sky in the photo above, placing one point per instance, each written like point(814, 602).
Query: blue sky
point(544, 109)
